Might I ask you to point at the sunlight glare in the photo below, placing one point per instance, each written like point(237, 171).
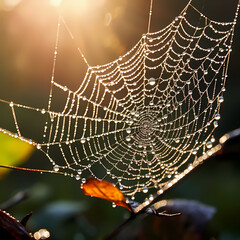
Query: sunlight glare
point(10, 4)
point(55, 3)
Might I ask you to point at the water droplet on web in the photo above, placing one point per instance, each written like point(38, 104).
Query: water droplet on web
point(65, 89)
point(43, 111)
point(151, 197)
point(128, 139)
point(128, 130)
point(145, 189)
point(56, 168)
point(194, 151)
point(152, 81)
point(217, 116)
point(83, 140)
point(38, 146)
point(11, 104)
point(114, 205)
point(215, 124)
point(83, 180)
point(212, 139)
point(79, 171)
point(77, 177)
point(220, 99)
point(209, 144)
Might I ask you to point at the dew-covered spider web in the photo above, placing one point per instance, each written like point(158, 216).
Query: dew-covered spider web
point(142, 120)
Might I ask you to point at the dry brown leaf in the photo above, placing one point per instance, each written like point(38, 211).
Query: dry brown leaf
point(105, 190)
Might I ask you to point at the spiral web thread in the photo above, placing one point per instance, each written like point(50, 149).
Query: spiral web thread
point(141, 121)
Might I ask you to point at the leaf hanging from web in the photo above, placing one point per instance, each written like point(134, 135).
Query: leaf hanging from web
point(105, 190)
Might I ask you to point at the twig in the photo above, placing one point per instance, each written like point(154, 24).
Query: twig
point(19, 197)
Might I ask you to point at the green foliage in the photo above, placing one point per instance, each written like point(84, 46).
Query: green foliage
point(13, 152)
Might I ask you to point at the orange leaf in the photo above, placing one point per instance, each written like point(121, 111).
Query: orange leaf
point(105, 190)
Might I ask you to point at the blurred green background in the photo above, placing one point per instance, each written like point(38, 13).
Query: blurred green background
point(103, 29)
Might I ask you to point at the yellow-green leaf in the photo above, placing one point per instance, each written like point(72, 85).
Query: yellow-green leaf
point(13, 152)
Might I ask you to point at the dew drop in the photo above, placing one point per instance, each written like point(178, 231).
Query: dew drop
point(38, 146)
point(209, 144)
point(56, 168)
point(77, 177)
point(128, 130)
point(194, 151)
point(114, 205)
point(152, 81)
point(215, 124)
point(79, 171)
point(83, 140)
point(83, 180)
point(151, 197)
point(43, 111)
point(65, 89)
point(145, 189)
point(11, 104)
point(217, 116)
point(220, 99)
point(128, 139)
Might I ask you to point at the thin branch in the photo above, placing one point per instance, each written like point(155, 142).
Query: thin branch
point(19, 197)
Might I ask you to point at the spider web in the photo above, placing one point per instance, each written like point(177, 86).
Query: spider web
point(142, 120)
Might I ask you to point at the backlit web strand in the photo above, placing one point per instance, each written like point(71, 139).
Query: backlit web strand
point(142, 120)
